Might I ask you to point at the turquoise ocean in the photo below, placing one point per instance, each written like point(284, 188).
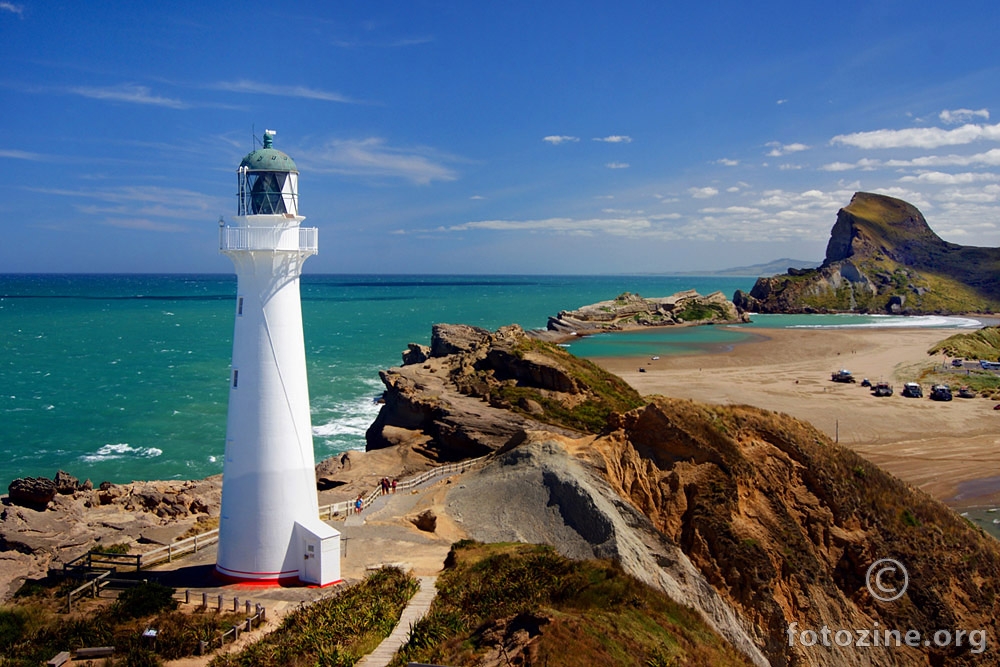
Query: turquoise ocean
point(125, 377)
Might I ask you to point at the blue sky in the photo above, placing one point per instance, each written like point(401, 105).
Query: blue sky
point(487, 137)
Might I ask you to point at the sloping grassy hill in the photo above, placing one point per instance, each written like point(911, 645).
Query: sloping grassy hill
point(981, 344)
point(524, 604)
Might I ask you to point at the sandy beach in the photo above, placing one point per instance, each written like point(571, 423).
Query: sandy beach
point(951, 450)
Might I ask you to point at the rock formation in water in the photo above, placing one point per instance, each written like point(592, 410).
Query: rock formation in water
point(631, 311)
point(882, 257)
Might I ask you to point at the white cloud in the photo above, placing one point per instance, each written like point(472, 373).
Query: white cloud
point(129, 92)
point(556, 139)
point(726, 162)
point(990, 158)
point(778, 149)
point(617, 165)
point(373, 157)
point(782, 101)
point(941, 178)
point(615, 139)
point(14, 154)
point(12, 8)
point(962, 115)
point(919, 137)
point(703, 193)
point(302, 92)
point(789, 167)
point(477, 197)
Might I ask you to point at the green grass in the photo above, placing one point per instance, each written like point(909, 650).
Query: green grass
point(34, 629)
point(981, 344)
point(577, 613)
point(335, 631)
point(694, 311)
point(604, 393)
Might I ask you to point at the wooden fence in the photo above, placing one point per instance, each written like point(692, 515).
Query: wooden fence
point(108, 563)
point(345, 507)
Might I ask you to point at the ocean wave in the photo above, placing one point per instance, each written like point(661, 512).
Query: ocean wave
point(901, 322)
point(346, 422)
point(120, 451)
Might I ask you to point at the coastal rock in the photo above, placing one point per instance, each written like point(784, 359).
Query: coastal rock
point(456, 339)
point(35, 492)
point(33, 538)
point(487, 392)
point(416, 354)
point(66, 483)
point(883, 257)
point(630, 311)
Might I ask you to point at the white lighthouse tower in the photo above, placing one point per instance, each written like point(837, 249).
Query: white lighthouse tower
point(270, 528)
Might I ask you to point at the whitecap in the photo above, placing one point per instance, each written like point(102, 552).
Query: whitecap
point(344, 424)
point(121, 450)
point(901, 322)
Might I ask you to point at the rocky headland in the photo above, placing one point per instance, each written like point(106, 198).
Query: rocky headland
point(883, 257)
point(631, 311)
point(755, 519)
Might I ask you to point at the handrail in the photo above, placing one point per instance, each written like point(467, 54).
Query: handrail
point(346, 506)
point(94, 585)
point(294, 239)
point(167, 553)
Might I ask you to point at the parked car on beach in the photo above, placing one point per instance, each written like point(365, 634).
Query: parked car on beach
point(940, 392)
point(912, 390)
point(843, 375)
point(882, 389)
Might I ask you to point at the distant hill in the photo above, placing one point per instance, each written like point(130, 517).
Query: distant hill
point(883, 257)
point(767, 269)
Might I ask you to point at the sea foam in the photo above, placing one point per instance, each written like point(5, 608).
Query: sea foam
point(120, 451)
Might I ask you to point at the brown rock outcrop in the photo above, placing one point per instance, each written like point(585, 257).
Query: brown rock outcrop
point(35, 492)
point(478, 391)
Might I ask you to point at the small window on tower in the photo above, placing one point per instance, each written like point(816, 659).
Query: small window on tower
point(239, 306)
point(236, 378)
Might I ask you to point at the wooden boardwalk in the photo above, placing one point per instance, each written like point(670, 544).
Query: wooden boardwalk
point(414, 611)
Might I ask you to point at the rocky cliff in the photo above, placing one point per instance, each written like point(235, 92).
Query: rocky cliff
point(471, 391)
point(883, 257)
point(753, 518)
point(630, 311)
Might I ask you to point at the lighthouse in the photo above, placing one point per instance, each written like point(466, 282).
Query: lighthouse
point(269, 528)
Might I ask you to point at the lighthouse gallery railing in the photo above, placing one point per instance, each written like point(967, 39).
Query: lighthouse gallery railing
point(291, 239)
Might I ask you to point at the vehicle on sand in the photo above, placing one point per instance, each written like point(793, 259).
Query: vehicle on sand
point(882, 389)
point(912, 390)
point(843, 375)
point(941, 392)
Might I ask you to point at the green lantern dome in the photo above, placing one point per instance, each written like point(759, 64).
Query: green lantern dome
point(268, 158)
point(268, 182)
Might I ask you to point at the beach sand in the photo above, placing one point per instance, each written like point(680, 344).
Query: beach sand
point(951, 450)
